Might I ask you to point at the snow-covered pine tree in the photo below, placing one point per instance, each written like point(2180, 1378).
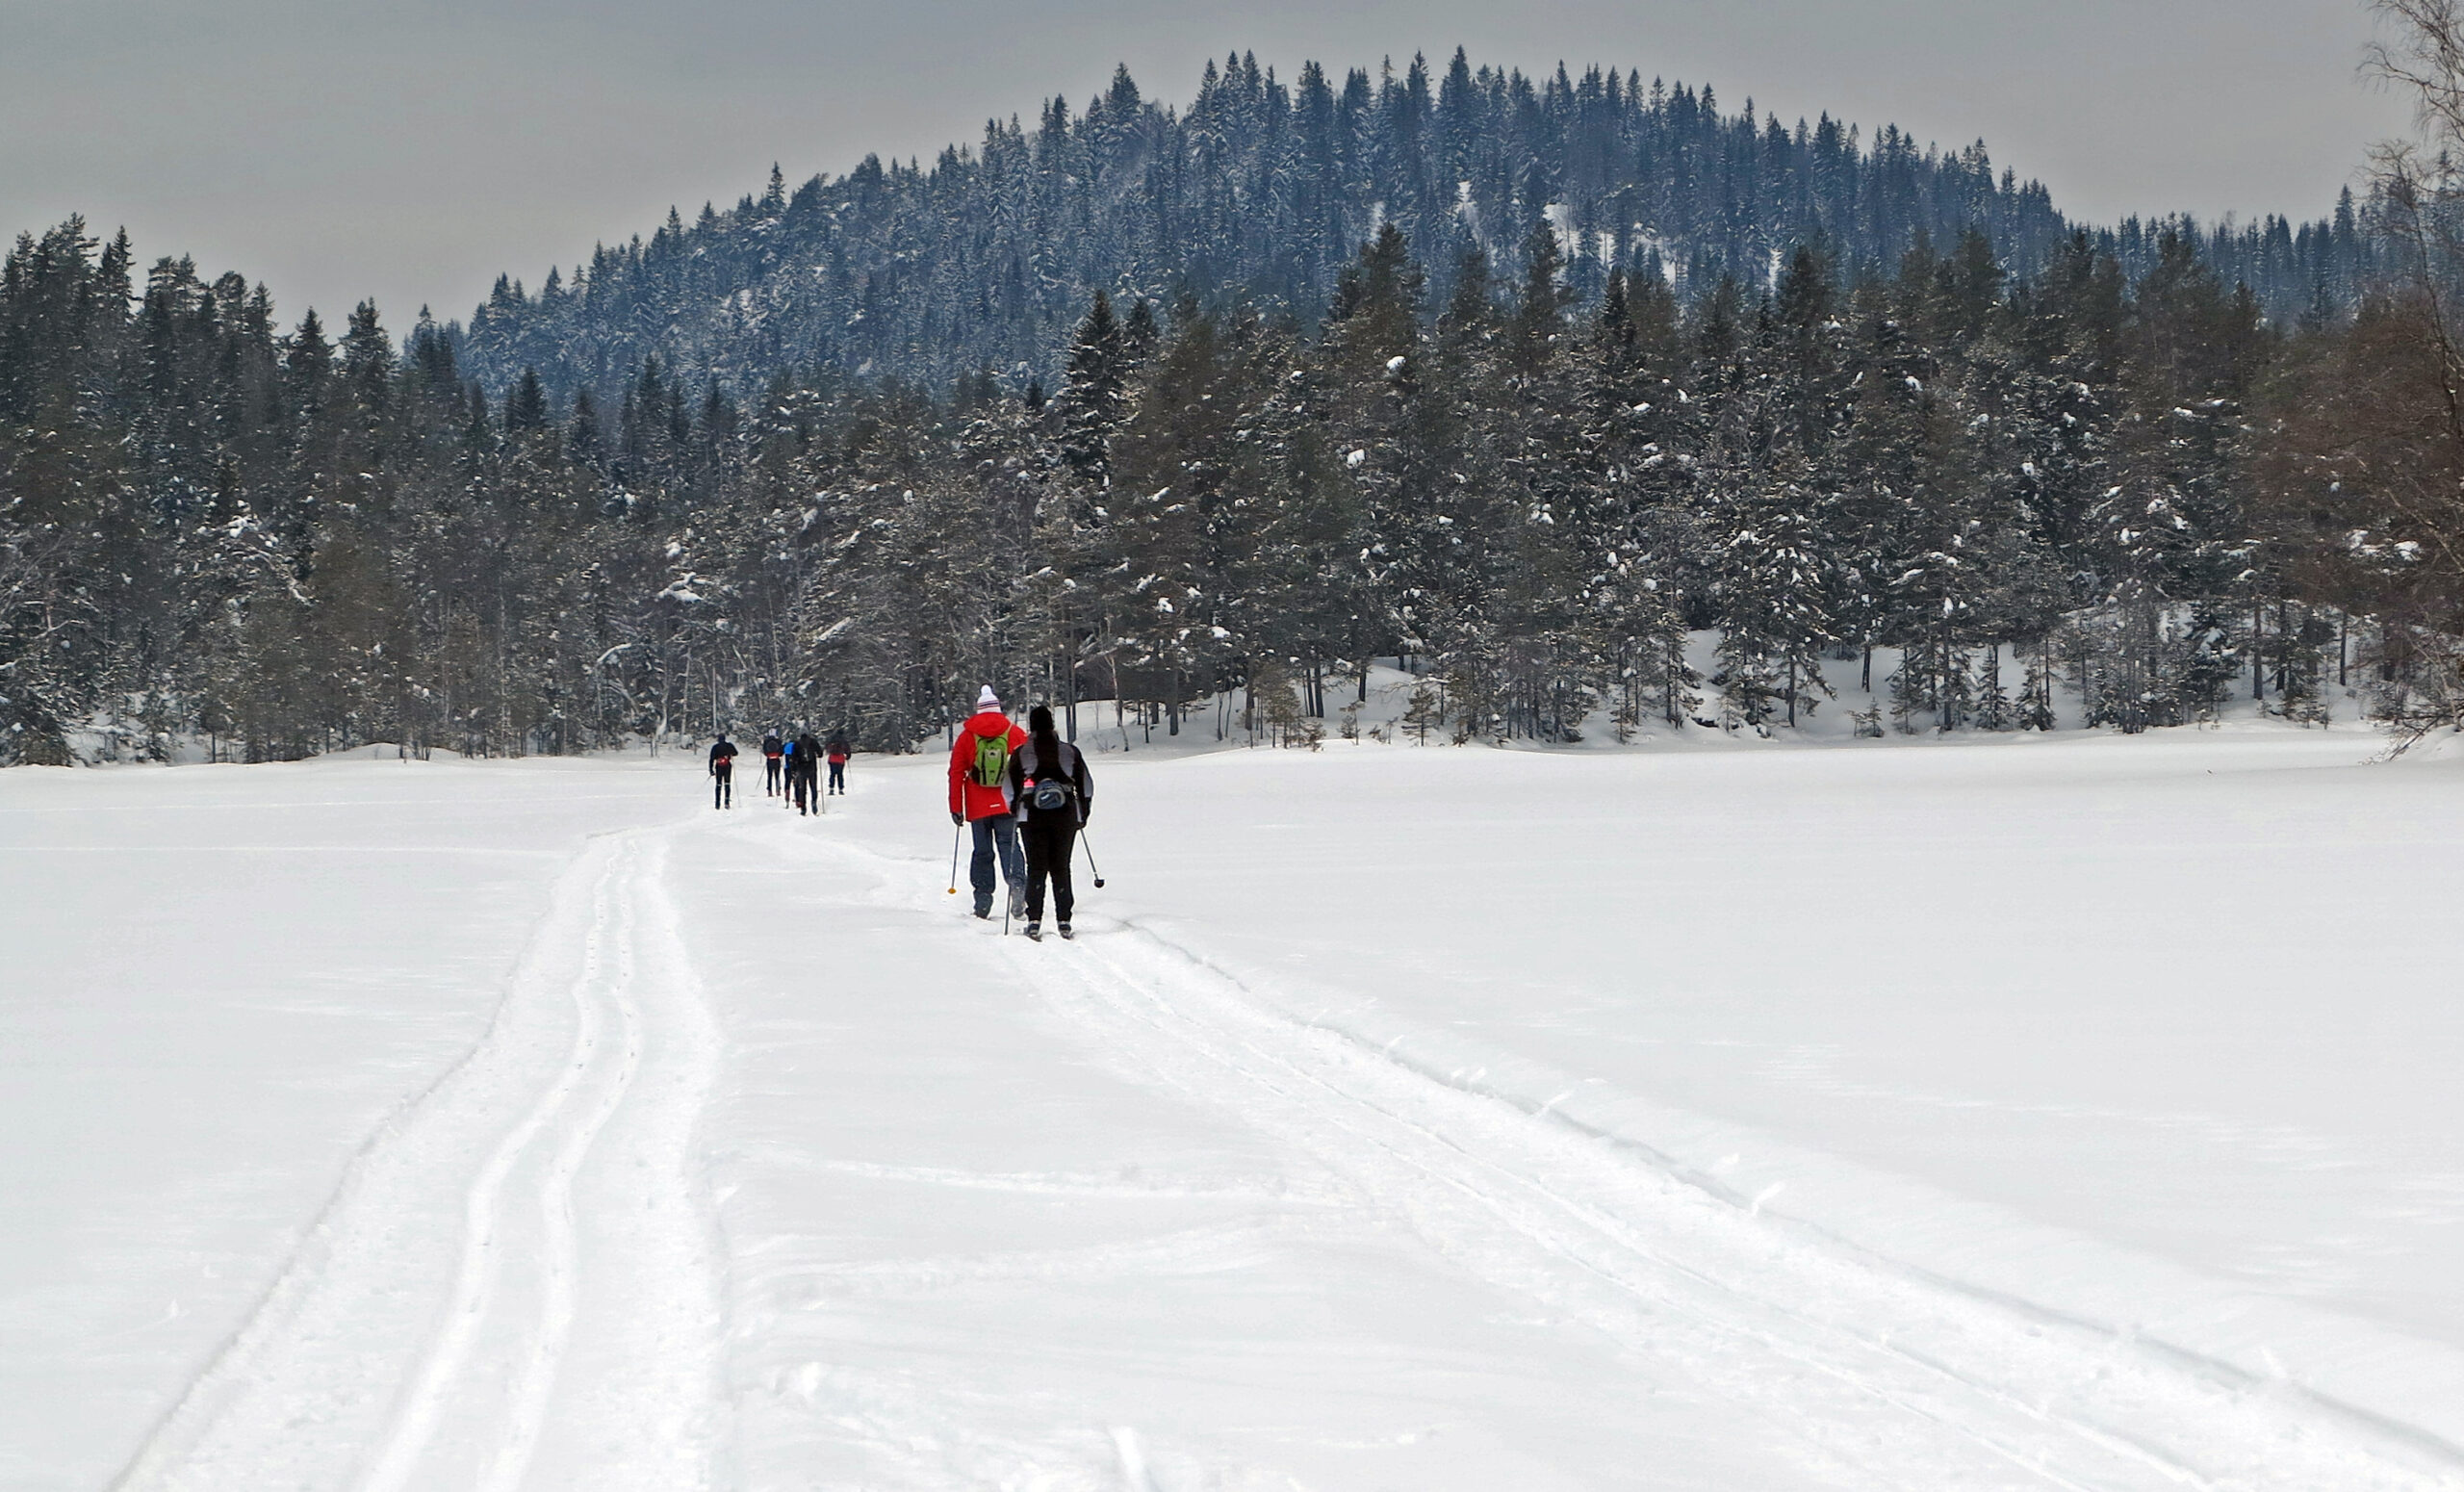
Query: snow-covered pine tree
point(1769, 588)
point(1639, 504)
point(1558, 523)
point(1160, 546)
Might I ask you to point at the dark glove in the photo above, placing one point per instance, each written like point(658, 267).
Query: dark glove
point(958, 818)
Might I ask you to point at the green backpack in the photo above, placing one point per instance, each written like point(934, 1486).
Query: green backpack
point(991, 760)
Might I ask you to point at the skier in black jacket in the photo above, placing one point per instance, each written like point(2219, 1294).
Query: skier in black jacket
point(806, 775)
point(723, 773)
point(772, 750)
point(1047, 779)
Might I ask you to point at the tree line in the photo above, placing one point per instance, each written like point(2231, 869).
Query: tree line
point(2139, 484)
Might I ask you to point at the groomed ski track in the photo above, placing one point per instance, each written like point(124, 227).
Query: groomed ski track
point(525, 1281)
point(1879, 1376)
point(446, 1325)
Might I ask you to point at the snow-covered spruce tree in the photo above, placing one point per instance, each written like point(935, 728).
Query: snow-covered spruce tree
point(1390, 432)
point(1466, 541)
point(1558, 520)
point(2171, 533)
point(1299, 589)
point(1072, 599)
point(1768, 586)
point(1908, 512)
point(1161, 549)
point(1640, 505)
point(2059, 402)
point(1094, 398)
point(2018, 593)
point(1018, 485)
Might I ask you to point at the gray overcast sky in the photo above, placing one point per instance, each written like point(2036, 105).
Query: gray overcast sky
point(413, 149)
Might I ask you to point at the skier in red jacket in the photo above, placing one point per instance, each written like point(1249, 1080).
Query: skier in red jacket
point(979, 796)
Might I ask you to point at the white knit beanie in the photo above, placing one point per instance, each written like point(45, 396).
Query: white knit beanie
point(988, 700)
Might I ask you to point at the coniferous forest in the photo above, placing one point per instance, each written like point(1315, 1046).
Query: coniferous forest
point(1517, 383)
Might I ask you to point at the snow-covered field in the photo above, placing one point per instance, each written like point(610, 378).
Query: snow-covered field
point(2072, 1112)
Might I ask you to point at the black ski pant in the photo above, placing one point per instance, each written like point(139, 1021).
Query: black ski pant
point(722, 785)
point(1051, 839)
point(770, 775)
point(838, 777)
point(806, 801)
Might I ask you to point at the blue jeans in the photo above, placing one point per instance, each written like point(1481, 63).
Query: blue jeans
point(999, 831)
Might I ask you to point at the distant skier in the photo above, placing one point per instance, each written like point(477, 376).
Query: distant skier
point(787, 751)
point(772, 750)
point(1047, 779)
point(807, 775)
point(838, 752)
point(723, 773)
point(980, 797)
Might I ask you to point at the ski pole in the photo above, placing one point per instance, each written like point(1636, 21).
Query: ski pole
point(1088, 845)
point(956, 834)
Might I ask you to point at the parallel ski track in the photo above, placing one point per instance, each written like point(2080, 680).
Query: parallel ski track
point(387, 1358)
point(1963, 1384)
point(537, 1339)
point(339, 1379)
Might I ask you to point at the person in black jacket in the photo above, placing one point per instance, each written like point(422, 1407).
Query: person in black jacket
point(723, 773)
point(1048, 782)
point(771, 749)
point(806, 776)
